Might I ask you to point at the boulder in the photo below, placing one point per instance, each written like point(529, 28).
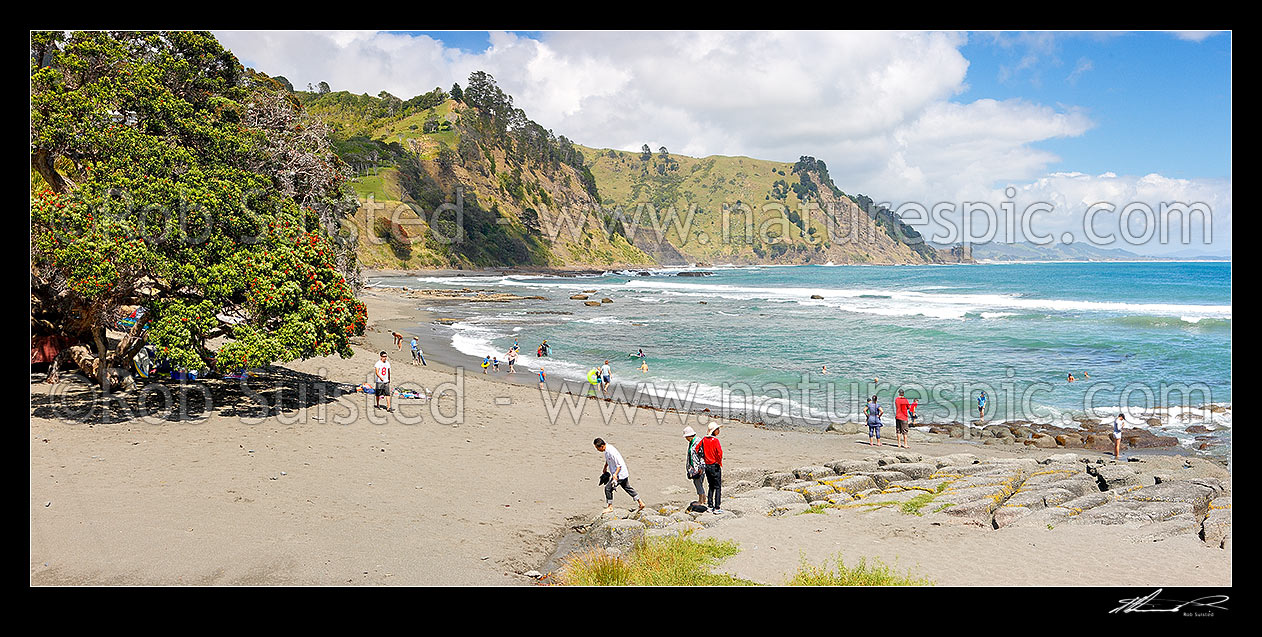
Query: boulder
point(915, 470)
point(813, 473)
point(853, 466)
point(679, 528)
point(1071, 441)
point(1183, 524)
point(1217, 524)
point(1194, 494)
point(1060, 458)
point(592, 303)
point(744, 473)
point(1043, 441)
point(855, 484)
point(578, 297)
point(818, 492)
point(747, 506)
point(816, 296)
point(740, 486)
point(783, 498)
point(606, 300)
point(1114, 476)
point(1120, 512)
point(846, 427)
point(1008, 514)
point(778, 480)
point(956, 459)
point(655, 521)
point(883, 478)
point(617, 534)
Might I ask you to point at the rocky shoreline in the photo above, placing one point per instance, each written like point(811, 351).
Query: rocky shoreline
point(1149, 499)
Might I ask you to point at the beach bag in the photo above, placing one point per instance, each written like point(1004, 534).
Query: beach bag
point(697, 508)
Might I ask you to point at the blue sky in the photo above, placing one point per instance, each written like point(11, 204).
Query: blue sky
point(909, 118)
point(1159, 103)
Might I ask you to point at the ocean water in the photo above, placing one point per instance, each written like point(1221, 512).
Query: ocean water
point(1154, 338)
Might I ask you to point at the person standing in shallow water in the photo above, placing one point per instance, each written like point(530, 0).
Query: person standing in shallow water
point(981, 406)
point(874, 413)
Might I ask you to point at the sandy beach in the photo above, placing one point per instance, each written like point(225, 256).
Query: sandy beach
point(475, 488)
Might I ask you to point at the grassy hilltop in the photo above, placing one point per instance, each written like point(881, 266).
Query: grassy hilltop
point(535, 199)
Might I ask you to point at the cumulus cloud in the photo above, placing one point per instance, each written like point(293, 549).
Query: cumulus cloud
point(878, 107)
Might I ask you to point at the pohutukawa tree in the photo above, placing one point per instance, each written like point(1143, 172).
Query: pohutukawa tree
point(168, 178)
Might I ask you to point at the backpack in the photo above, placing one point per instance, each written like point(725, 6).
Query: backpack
point(696, 461)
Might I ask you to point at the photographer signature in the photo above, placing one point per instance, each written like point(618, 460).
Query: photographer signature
point(1151, 604)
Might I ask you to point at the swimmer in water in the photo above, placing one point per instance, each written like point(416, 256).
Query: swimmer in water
point(644, 367)
point(823, 369)
point(1071, 377)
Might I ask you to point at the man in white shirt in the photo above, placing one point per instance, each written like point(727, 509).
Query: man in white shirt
point(616, 467)
point(605, 375)
point(382, 369)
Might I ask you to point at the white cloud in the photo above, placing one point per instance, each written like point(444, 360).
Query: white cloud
point(1194, 36)
point(876, 106)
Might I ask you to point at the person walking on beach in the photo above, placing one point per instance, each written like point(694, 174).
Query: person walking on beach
point(512, 358)
point(495, 363)
point(416, 350)
point(486, 363)
point(382, 373)
point(981, 406)
point(874, 413)
point(543, 379)
point(902, 419)
point(713, 455)
point(1118, 423)
point(616, 467)
point(605, 375)
point(694, 464)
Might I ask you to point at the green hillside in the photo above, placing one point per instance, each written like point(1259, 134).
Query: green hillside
point(411, 161)
point(744, 210)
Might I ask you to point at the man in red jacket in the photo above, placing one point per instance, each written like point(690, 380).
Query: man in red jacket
point(902, 419)
point(713, 452)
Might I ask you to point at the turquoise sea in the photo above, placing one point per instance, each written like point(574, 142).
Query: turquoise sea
point(1153, 336)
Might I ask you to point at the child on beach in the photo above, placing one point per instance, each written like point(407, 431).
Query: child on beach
point(616, 467)
point(1117, 436)
point(874, 413)
point(486, 363)
point(543, 379)
point(495, 363)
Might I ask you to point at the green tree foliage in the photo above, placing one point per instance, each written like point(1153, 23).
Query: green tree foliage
point(646, 153)
point(284, 81)
point(179, 183)
point(456, 93)
point(323, 88)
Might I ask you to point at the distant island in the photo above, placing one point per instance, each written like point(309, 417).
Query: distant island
point(1027, 251)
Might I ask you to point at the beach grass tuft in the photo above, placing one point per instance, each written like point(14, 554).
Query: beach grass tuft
point(816, 508)
point(914, 505)
point(671, 561)
point(864, 573)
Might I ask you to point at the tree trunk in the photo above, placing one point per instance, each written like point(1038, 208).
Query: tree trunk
point(42, 161)
point(102, 355)
point(92, 368)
